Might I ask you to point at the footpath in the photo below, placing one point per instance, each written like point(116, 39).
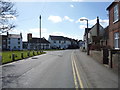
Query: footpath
point(95, 74)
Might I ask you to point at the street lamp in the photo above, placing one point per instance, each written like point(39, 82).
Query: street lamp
point(87, 35)
point(40, 33)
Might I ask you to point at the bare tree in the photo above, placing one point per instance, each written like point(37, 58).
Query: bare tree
point(7, 14)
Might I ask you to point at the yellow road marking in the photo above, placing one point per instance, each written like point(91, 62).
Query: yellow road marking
point(79, 78)
point(75, 73)
point(75, 78)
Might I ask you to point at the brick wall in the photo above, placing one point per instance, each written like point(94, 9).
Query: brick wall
point(113, 27)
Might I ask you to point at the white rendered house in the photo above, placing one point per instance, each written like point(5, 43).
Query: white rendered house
point(14, 41)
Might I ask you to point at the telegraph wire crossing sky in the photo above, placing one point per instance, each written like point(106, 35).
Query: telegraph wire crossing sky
point(58, 18)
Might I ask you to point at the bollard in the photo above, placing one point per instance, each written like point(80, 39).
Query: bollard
point(33, 53)
point(37, 52)
point(13, 57)
point(22, 56)
point(28, 54)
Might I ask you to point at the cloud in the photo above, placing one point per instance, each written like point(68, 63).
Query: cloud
point(82, 26)
point(78, 0)
point(67, 18)
point(72, 6)
point(103, 22)
point(55, 19)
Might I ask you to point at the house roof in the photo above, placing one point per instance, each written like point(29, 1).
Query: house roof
point(115, 1)
point(4, 36)
point(57, 37)
point(61, 38)
point(37, 40)
point(14, 36)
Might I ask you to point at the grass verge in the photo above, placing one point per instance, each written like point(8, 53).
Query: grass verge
point(7, 55)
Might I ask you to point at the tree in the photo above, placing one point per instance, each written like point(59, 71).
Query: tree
point(7, 14)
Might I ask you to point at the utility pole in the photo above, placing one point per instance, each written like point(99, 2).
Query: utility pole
point(40, 33)
point(87, 39)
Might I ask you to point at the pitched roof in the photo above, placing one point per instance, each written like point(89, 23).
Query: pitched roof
point(4, 36)
point(57, 37)
point(14, 36)
point(38, 40)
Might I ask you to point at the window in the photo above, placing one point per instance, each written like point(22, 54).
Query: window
point(18, 38)
point(116, 40)
point(59, 41)
point(54, 41)
point(18, 42)
point(9, 47)
point(18, 46)
point(8, 42)
point(116, 14)
point(4, 40)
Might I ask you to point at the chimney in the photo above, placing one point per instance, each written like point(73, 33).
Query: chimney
point(98, 26)
point(29, 36)
point(21, 35)
point(7, 34)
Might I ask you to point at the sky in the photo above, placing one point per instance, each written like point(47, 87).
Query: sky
point(58, 18)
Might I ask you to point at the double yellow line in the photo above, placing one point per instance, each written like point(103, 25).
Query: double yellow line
point(77, 78)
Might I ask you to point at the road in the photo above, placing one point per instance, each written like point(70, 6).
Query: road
point(58, 69)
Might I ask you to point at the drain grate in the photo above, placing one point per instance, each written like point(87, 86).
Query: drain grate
point(34, 58)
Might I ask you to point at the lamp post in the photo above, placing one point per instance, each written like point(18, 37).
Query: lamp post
point(87, 35)
point(40, 33)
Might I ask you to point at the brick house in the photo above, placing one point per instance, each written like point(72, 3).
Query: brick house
point(114, 24)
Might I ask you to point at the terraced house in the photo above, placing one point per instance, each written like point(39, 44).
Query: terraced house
point(12, 42)
point(60, 42)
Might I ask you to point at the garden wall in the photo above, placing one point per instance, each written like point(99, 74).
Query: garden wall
point(98, 55)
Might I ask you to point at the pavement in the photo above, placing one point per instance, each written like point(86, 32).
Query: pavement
point(58, 69)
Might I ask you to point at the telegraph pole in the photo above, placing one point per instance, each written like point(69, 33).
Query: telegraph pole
point(40, 33)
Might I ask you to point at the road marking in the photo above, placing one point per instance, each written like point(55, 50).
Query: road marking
point(78, 75)
point(74, 75)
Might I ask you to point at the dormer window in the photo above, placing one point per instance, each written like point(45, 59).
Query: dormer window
point(116, 14)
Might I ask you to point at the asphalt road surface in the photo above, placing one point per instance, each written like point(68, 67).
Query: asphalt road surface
point(58, 69)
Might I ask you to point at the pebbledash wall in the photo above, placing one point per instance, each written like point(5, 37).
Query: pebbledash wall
point(98, 55)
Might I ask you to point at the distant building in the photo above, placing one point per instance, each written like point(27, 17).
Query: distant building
point(60, 42)
point(85, 38)
point(35, 43)
point(4, 42)
point(114, 25)
point(25, 45)
point(81, 43)
point(12, 41)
